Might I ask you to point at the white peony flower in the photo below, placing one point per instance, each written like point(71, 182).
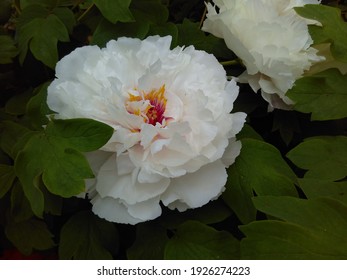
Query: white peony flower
point(173, 136)
point(270, 38)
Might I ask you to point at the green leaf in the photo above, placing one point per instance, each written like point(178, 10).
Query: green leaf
point(333, 29)
point(84, 135)
point(276, 240)
point(190, 34)
point(8, 50)
point(7, 177)
point(29, 13)
point(248, 132)
point(37, 108)
point(107, 31)
point(314, 188)
point(151, 10)
point(86, 236)
point(17, 104)
point(13, 137)
point(211, 213)
point(66, 16)
point(324, 94)
point(20, 206)
point(322, 214)
point(53, 203)
point(259, 168)
point(238, 196)
point(29, 235)
point(312, 229)
point(324, 157)
point(149, 244)
point(56, 155)
point(115, 10)
point(41, 33)
point(196, 241)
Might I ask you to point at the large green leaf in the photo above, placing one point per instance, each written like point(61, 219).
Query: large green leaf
point(149, 16)
point(196, 241)
point(152, 10)
point(115, 10)
point(190, 34)
point(313, 188)
point(259, 168)
point(8, 50)
point(106, 31)
point(327, 215)
point(333, 29)
point(29, 13)
point(31, 106)
point(16, 106)
point(324, 94)
point(37, 109)
point(248, 132)
point(40, 29)
point(238, 196)
point(20, 206)
point(66, 16)
point(84, 135)
point(28, 235)
point(13, 137)
point(211, 213)
point(7, 177)
point(52, 6)
point(86, 236)
point(56, 155)
point(273, 240)
point(324, 157)
point(149, 244)
point(311, 229)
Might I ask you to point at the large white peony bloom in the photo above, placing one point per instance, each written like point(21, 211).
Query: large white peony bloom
point(173, 136)
point(270, 38)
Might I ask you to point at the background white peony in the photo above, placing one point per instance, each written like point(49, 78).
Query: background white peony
point(174, 133)
point(270, 38)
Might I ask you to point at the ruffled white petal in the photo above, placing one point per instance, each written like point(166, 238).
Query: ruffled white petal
point(115, 211)
point(126, 187)
point(198, 188)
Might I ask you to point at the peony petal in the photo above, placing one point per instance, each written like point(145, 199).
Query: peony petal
point(65, 68)
point(146, 210)
point(231, 152)
point(126, 187)
point(196, 189)
point(112, 210)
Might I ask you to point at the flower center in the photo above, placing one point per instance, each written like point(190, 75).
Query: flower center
point(149, 105)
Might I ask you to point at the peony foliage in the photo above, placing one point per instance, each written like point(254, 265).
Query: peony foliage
point(173, 129)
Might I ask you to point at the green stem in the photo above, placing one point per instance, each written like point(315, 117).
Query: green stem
point(86, 12)
point(231, 62)
point(16, 5)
